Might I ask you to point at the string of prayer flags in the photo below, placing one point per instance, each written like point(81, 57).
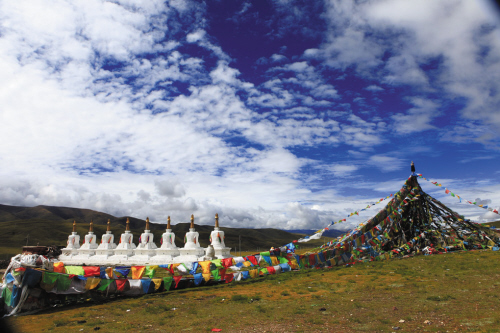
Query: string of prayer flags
point(447, 191)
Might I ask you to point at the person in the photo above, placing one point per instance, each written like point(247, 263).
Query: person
point(413, 169)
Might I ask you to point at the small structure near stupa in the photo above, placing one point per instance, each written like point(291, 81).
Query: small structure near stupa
point(107, 246)
point(192, 249)
point(168, 250)
point(71, 249)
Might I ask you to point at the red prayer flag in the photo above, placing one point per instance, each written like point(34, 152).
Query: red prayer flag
point(229, 277)
point(222, 274)
point(91, 271)
point(177, 279)
point(253, 260)
point(271, 270)
point(227, 262)
point(312, 259)
point(120, 284)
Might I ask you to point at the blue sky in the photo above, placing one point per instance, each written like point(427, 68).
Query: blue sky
point(285, 114)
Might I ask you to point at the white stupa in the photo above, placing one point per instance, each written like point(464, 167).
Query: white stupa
point(125, 248)
point(71, 249)
point(192, 250)
point(217, 241)
point(88, 247)
point(107, 247)
point(146, 248)
point(168, 250)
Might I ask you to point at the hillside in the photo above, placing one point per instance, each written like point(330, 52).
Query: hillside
point(47, 225)
point(495, 224)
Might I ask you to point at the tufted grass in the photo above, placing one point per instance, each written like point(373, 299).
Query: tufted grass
point(454, 292)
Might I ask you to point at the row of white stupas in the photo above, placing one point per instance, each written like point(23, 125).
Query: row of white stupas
point(146, 252)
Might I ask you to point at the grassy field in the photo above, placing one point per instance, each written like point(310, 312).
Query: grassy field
point(456, 292)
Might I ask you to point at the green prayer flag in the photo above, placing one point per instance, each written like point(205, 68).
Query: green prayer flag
point(216, 275)
point(283, 260)
point(217, 262)
point(48, 281)
point(49, 278)
point(149, 271)
point(63, 282)
point(104, 284)
point(167, 282)
point(265, 254)
point(7, 296)
point(76, 270)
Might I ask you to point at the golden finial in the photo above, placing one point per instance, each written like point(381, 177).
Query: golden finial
point(216, 220)
point(74, 225)
point(168, 223)
point(147, 223)
point(192, 221)
point(127, 226)
point(109, 225)
point(91, 229)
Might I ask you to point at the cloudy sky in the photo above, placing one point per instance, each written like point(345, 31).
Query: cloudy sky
point(273, 113)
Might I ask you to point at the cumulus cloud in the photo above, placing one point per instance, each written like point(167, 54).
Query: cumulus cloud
point(458, 39)
point(170, 188)
point(416, 119)
point(386, 163)
point(134, 108)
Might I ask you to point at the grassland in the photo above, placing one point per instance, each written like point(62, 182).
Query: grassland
point(456, 292)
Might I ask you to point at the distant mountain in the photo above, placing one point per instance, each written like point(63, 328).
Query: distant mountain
point(49, 225)
point(308, 232)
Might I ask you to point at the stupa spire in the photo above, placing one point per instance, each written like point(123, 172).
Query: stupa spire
point(216, 220)
point(127, 225)
point(74, 225)
point(168, 223)
point(91, 228)
point(192, 221)
point(109, 225)
point(147, 223)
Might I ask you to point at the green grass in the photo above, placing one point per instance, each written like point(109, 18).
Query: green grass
point(455, 292)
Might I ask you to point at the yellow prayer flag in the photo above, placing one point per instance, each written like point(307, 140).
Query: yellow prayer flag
point(157, 283)
point(254, 273)
point(205, 266)
point(137, 272)
point(275, 260)
point(92, 283)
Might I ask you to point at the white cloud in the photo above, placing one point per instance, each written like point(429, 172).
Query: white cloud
point(416, 119)
point(341, 170)
point(196, 36)
point(102, 107)
point(374, 88)
point(278, 57)
point(386, 163)
point(170, 188)
point(460, 37)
